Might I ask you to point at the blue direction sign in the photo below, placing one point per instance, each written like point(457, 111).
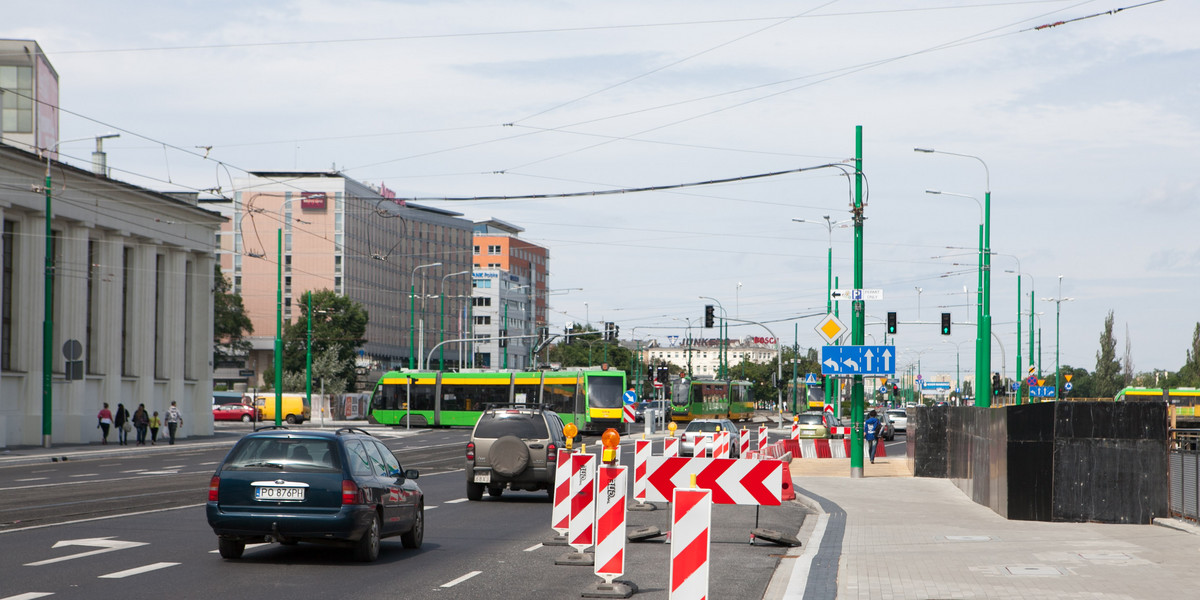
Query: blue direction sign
point(1016, 385)
point(858, 360)
point(1041, 391)
point(935, 385)
point(630, 397)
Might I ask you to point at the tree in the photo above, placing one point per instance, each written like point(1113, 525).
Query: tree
point(326, 372)
point(1108, 368)
point(230, 322)
point(1189, 373)
point(338, 323)
point(1127, 361)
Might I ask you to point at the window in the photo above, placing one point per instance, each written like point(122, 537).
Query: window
point(16, 106)
point(494, 249)
point(6, 294)
point(483, 320)
point(476, 250)
point(485, 301)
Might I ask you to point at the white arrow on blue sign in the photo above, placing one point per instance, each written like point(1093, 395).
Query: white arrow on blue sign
point(858, 360)
point(1016, 385)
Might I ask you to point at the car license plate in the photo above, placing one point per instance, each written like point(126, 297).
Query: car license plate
point(483, 476)
point(279, 493)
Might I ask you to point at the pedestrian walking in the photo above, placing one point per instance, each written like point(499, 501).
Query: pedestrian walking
point(872, 433)
point(141, 420)
point(104, 421)
point(174, 421)
point(155, 423)
point(121, 420)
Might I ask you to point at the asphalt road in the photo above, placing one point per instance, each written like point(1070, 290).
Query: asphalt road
point(141, 518)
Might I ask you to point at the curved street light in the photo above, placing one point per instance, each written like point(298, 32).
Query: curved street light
point(412, 308)
point(1057, 318)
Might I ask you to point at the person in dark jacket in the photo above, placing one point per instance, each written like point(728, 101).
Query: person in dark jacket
point(120, 419)
point(141, 420)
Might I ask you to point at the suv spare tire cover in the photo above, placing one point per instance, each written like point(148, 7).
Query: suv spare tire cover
point(509, 456)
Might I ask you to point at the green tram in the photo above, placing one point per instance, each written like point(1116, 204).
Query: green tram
point(711, 399)
point(590, 398)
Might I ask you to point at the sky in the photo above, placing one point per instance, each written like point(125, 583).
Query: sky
point(1085, 133)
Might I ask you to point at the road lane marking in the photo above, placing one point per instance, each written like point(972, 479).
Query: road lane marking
point(138, 476)
point(104, 544)
point(138, 570)
point(132, 514)
point(84, 475)
point(430, 507)
point(44, 471)
point(461, 579)
point(28, 596)
point(534, 547)
point(30, 479)
point(799, 580)
point(455, 501)
point(248, 547)
point(134, 471)
point(205, 464)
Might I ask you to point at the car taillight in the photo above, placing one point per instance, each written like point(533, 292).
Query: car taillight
point(552, 455)
point(471, 451)
point(350, 492)
point(214, 486)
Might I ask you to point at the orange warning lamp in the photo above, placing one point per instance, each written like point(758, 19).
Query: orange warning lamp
point(570, 431)
point(796, 418)
point(611, 439)
point(671, 427)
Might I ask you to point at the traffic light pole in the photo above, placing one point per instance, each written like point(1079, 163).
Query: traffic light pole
point(857, 330)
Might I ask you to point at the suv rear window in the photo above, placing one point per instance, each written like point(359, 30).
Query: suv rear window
point(522, 425)
point(272, 453)
point(709, 426)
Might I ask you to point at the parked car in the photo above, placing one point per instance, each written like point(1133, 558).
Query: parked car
point(887, 429)
point(514, 448)
point(663, 406)
point(815, 424)
point(899, 418)
point(343, 488)
point(236, 411)
point(699, 427)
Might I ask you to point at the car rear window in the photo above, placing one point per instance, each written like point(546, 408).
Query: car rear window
point(698, 426)
point(811, 419)
point(897, 413)
point(519, 424)
point(273, 453)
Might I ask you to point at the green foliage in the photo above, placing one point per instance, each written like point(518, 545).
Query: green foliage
point(1189, 373)
point(338, 324)
point(587, 348)
point(230, 321)
point(1108, 378)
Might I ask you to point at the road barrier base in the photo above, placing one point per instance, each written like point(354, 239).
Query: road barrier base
point(616, 589)
point(643, 534)
point(775, 537)
point(576, 559)
point(642, 506)
point(558, 540)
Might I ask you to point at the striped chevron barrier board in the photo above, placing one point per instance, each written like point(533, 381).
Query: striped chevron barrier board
point(732, 481)
point(700, 446)
point(671, 446)
point(641, 453)
point(795, 431)
point(762, 439)
point(691, 521)
point(610, 522)
point(583, 501)
point(628, 414)
point(721, 445)
point(560, 514)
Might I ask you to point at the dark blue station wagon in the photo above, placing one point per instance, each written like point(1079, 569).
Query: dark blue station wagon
point(342, 488)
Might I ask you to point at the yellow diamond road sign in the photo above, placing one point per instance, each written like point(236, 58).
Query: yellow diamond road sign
point(831, 328)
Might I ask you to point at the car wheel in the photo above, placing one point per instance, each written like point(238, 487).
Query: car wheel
point(367, 548)
point(245, 418)
point(291, 419)
point(495, 491)
point(474, 491)
point(509, 456)
point(413, 538)
point(231, 548)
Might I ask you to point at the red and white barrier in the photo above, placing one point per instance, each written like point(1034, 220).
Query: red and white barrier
point(762, 439)
point(560, 514)
point(628, 413)
point(641, 454)
point(610, 522)
point(795, 431)
point(839, 431)
point(583, 496)
point(721, 445)
point(744, 443)
point(691, 520)
point(671, 446)
point(732, 481)
point(700, 446)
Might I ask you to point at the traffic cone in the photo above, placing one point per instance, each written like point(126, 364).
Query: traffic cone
point(789, 491)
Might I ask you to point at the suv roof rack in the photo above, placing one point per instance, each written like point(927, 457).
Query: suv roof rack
point(264, 428)
point(352, 430)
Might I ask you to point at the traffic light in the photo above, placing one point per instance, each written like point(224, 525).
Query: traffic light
point(616, 332)
point(708, 316)
point(997, 385)
point(945, 323)
point(891, 322)
point(895, 391)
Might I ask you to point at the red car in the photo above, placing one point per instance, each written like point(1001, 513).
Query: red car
point(236, 412)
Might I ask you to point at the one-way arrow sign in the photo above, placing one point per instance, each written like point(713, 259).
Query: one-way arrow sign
point(105, 544)
point(732, 481)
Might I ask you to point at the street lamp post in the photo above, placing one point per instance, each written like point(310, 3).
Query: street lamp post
point(1057, 316)
point(412, 311)
point(829, 224)
point(442, 325)
point(985, 334)
point(1020, 375)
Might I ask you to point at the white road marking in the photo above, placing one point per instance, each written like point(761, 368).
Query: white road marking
point(45, 471)
point(104, 544)
point(430, 507)
point(31, 479)
point(455, 501)
point(205, 464)
point(138, 570)
point(534, 547)
point(137, 476)
point(799, 579)
point(29, 596)
point(132, 514)
point(111, 465)
point(461, 579)
point(174, 467)
point(248, 547)
point(85, 475)
point(134, 471)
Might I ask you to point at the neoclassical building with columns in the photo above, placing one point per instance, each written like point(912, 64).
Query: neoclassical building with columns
point(132, 300)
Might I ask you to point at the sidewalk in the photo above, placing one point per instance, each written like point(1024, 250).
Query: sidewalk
point(893, 536)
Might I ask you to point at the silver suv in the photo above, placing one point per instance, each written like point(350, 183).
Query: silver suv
point(513, 447)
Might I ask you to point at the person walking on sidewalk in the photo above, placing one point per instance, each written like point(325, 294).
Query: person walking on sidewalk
point(104, 421)
point(121, 420)
point(872, 433)
point(155, 423)
point(141, 419)
point(174, 421)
